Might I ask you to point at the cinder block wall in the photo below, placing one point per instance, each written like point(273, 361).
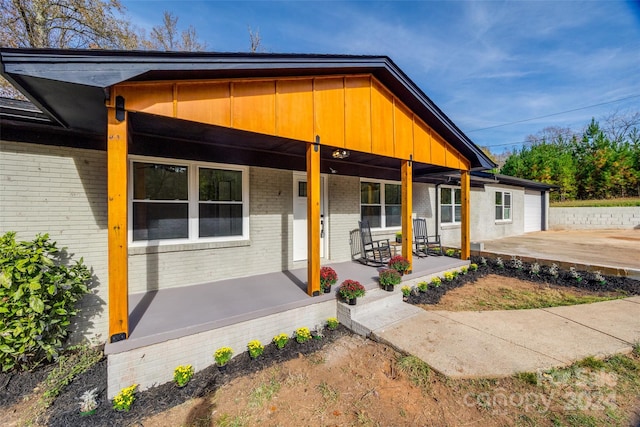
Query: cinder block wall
point(62, 192)
point(579, 218)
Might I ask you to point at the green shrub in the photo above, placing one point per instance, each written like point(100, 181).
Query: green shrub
point(38, 294)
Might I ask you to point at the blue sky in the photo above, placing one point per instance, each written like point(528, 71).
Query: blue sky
point(486, 64)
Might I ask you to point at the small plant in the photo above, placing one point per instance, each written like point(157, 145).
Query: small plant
point(182, 375)
point(328, 277)
point(223, 355)
point(350, 289)
point(303, 335)
point(450, 252)
point(124, 399)
point(449, 276)
point(483, 261)
point(473, 267)
point(255, 348)
point(89, 402)
point(423, 286)
point(398, 237)
point(399, 264)
point(281, 340)
point(553, 270)
point(406, 290)
point(499, 262)
point(516, 263)
point(389, 276)
point(535, 269)
point(317, 333)
point(599, 278)
point(455, 273)
point(464, 270)
point(574, 274)
point(332, 323)
point(436, 282)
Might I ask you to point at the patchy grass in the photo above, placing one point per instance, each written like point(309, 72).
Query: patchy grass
point(418, 372)
point(623, 201)
point(510, 298)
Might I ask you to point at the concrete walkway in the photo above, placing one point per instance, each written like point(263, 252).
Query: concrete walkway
point(502, 343)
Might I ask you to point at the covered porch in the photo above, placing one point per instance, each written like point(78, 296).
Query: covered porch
point(197, 308)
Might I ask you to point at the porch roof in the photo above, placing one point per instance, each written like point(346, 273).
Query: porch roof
point(71, 86)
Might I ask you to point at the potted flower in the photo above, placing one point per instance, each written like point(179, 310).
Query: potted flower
point(388, 278)
point(350, 290)
point(88, 402)
point(399, 237)
point(222, 356)
point(328, 277)
point(406, 292)
point(399, 264)
point(182, 375)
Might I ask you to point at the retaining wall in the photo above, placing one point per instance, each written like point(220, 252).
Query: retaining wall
point(590, 218)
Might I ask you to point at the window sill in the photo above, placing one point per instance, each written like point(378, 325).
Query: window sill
point(182, 247)
point(450, 225)
point(504, 221)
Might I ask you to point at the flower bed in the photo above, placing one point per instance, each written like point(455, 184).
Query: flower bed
point(514, 267)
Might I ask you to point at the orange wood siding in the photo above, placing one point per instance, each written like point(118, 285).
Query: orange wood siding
point(117, 149)
point(328, 102)
point(382, 137)
point(294, 109)
point(354, 112)
point(357, 114)
point(254, 106)
point(403, 132)
point(208, 103)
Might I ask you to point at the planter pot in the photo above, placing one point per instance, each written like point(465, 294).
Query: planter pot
point(398, 239)
point(222, 368)
point(327, 289)
point(388, 288)
point(352, 301)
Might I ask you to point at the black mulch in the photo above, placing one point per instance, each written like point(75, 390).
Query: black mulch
point(588, 280)
point(65, 410)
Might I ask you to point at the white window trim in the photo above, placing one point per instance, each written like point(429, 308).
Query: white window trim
point(503, 221)
point(448, 224)
point(193, 202)
point(383, 218)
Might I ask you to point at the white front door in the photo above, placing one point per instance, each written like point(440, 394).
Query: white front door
point(532, 211)
point(300, 217)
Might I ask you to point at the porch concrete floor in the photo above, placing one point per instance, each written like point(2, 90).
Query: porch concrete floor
point(166, 314)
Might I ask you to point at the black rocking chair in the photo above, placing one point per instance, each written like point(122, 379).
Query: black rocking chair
point(423, 243)
point(375, 252)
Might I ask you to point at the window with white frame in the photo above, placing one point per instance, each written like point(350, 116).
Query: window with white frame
point(381, 204)
point(450, 205)
point(503, 205)
point(187, 201)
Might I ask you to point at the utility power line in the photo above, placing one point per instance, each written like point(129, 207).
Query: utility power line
point(555, 114)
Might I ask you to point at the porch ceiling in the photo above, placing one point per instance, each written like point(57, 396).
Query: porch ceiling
point(182, 139)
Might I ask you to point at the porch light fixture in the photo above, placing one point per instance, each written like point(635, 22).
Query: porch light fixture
point(340, 154)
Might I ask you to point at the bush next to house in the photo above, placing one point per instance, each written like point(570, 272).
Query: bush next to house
point(38, 295)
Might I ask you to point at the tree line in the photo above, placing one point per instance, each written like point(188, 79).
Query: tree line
point(601, 162)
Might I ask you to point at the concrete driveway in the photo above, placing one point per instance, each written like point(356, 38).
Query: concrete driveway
point(607, 248)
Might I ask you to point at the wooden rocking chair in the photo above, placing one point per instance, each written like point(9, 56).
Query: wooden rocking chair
point(423, 243)
point(375, 252)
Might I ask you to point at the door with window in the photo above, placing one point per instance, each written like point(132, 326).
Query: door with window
point(300, 218)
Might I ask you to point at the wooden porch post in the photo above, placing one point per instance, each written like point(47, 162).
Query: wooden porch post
point(313, 218)
point(407, 208)
point(465, 229)
point(117, 221)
